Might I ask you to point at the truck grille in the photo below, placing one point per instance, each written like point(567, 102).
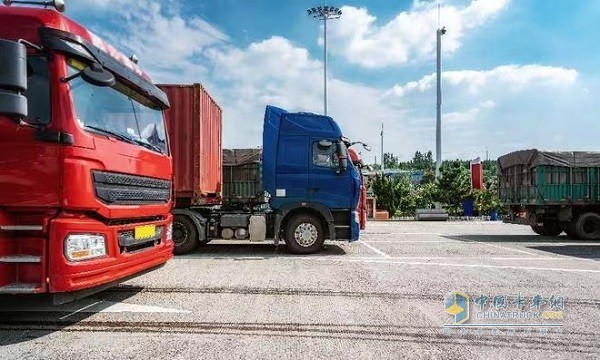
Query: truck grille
point(123, 189)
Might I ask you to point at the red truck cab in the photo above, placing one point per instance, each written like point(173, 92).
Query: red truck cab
point(85, 169)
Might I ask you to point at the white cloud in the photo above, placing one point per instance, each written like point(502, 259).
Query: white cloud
point(277, 72)
point(410, 35)
point(497, 109)
point(164, 40)
point(510, 78)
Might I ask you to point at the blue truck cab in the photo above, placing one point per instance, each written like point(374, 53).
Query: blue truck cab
point(314, 189)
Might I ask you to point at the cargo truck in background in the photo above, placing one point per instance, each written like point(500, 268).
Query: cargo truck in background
point(85, 170)
point(553, 191)
point(311, 190)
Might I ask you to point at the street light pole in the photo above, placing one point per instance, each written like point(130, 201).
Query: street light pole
point(324, 13)
point(438, 125)
point(325, 65)
point(382, 154)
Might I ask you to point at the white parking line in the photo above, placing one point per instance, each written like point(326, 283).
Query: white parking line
point(89, 305)
point(405, 233)
point(418, 263)
point(458, 258)
point(562, 243)
point(376, 250)
point(412, 241)
point(83, 309)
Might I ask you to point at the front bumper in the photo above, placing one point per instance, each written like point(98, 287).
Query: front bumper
point(119, 263)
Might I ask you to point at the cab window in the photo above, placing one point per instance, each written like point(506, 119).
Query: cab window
point(324, 154)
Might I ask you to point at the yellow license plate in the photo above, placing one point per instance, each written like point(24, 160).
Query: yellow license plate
point(144, 232)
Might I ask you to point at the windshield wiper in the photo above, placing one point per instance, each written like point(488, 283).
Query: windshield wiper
point(110, 133)
point(125, 138)
point(148, 145)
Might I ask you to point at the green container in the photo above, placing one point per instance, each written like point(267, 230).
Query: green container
point(242, 176)
point(533, 177)
point(243, 183)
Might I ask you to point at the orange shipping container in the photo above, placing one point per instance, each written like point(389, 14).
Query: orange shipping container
point(194, 123)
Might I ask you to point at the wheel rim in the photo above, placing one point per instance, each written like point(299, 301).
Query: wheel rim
point(306, 234)
point(180, 234)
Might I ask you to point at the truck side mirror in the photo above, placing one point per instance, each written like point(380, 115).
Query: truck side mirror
point(13, 79)
point(94, 74)
point(325, 144)
point(97, 75)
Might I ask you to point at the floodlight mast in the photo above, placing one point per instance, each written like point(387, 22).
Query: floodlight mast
point(324, 13)
point(438, 124)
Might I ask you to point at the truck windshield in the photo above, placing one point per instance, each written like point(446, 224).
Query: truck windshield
point(119, 111)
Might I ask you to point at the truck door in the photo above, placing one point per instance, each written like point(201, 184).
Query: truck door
point(292, 161)
point(29, 167)
point(29, 184)
point(329, 185)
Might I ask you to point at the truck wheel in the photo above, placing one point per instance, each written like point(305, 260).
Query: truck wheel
point(304, 234)
point(549, 228)
point(588, 226)
point(185, 235)
point(570, 230)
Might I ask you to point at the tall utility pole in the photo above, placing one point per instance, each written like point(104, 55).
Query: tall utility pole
point(382, 157)
point(438, 125)
point(324, 13)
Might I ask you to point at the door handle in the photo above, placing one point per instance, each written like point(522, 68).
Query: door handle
point(313, 190)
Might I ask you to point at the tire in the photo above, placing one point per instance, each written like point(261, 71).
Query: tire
point(185, 235)
point(549, 228)
point(570, 230)
point(304, 234)
point(587, 226)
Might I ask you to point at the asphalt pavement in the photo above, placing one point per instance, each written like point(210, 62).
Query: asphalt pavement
point(402, 291)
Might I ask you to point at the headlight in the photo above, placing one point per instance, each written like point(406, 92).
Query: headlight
point(84, 246)
point(169, 236)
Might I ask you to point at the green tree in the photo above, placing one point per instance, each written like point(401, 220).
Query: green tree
point(428, 176)
point(395, 194)
point(426, 195)
point(422, 161)
point(390, 161)
point(384, 191)
point(487, 199)
point(407, 195)
point(454, 186)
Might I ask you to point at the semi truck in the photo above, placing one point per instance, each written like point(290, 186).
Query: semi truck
point(552, 191)
point(85, 169)
point(311, 188)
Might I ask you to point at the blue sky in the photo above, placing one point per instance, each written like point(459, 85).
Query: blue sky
point(517, 73)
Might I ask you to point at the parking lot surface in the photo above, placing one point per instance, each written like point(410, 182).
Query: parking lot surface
point(381, 297)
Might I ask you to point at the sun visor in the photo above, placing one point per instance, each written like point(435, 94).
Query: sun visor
point(77, 46)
